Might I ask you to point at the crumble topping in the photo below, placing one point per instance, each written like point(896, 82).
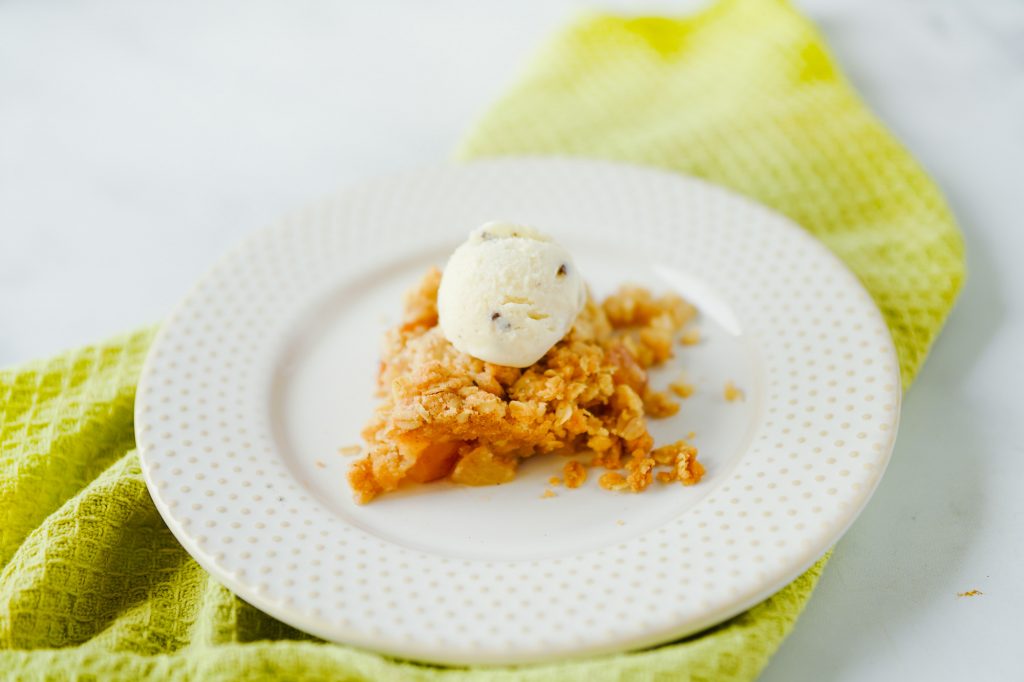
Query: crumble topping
point(575, 474)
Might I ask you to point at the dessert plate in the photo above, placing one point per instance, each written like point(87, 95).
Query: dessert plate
point(267, 369)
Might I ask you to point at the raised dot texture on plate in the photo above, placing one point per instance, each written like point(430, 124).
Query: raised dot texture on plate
point(266, 369)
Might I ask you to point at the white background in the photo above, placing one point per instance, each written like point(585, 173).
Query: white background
point(139, 140)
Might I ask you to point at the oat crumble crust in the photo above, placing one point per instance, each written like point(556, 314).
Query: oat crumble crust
point(445, 413)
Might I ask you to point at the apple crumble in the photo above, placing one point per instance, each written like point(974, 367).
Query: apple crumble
point(445, 413)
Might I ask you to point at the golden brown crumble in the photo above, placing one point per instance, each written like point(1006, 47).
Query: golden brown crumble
point(445, 413)
point(575, 474)
point(690, 337)
point(612, 481)
point(659, 405)
point(554, 480)
point(350, 450)
point(682, 457)
point(548, 493)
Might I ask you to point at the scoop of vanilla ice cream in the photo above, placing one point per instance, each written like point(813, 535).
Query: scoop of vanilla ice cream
point(508, 294)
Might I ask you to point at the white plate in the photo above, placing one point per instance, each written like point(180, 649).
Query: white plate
point(268, 366)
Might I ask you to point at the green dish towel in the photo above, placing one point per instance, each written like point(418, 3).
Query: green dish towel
point(745, 94)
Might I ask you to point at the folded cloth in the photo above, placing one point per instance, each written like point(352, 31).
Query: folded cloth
point(745, 94)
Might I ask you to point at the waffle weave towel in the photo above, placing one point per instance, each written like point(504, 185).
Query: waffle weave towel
point(93, 585)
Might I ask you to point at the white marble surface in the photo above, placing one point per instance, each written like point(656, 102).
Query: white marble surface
point(138, 140)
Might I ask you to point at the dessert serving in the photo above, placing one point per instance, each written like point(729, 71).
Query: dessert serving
point(506, 356)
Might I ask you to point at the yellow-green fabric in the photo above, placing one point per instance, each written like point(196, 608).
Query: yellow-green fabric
point(93, 585)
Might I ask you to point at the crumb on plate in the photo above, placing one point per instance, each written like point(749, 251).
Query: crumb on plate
point(732, 393)
point(681, 388)
point(575, 474)
point(682, 458)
